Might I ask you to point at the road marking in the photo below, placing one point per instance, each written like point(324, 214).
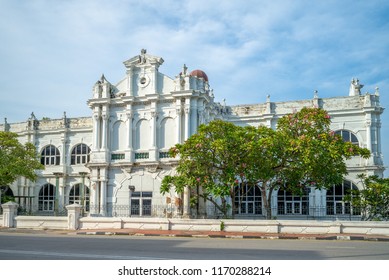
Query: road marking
point(338, 247)
point(76, 256)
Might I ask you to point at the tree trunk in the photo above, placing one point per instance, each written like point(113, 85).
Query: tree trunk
point(232, 194)
point(266, 205)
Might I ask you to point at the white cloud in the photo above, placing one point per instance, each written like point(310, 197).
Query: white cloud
point(54, 51)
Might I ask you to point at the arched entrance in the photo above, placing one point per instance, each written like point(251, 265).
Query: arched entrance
point(76, 197)
point(46, 198)
point(335, 199)
point(6, 194)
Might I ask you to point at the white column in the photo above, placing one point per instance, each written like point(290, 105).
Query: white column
point(96, 132)
point(153, 127)
point(104, 132)
point(94, 191)
point(61, 198)
point(193, 117)
point(103, 197)
point(94, 197)
point(379, 153)
point(368, 140)
point(178, 124)
point(129, 130)
point(186, 203)
point(187, 122)
point(129, 136)
point(64, 171)
point(368, 135)
point(201, 113)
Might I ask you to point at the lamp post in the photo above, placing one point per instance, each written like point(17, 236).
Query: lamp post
point(56, 201)
point(82, 190)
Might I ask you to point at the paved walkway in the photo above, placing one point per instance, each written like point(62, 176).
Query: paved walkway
point(203, 234)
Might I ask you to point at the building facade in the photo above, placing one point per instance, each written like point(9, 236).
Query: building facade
point(113, 161)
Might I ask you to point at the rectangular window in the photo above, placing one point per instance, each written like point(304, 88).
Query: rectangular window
point(117, 156)
point(135, 207)
point(141, 203)
point(146, 207)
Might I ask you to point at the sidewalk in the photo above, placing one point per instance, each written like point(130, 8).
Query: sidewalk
point(222, 234)
point(201, 234)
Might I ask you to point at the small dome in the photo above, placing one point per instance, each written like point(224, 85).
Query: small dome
point(199, 74)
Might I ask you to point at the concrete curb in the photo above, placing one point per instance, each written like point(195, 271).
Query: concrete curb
point(200, 234)
point(237, 236)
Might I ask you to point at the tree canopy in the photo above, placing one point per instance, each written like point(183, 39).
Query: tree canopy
point(300, 153)
point(373, 199)
point(16, 159)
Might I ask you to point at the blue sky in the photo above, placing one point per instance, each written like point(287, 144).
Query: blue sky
point(52, 52)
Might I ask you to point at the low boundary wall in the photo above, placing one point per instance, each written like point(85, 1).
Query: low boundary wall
point(74, 221)
point(262, 226)
point(41, 222)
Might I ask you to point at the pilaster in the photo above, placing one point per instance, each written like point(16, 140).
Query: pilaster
point(187, 118)
point(129, 148)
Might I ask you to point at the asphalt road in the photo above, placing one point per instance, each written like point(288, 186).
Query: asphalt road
point(16, 246)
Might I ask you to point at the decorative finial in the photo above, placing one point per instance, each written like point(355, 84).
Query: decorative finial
point(143, 51)
point(355, 87)
point(377, 91)
point(315, 94)
point(184, 68)
point(268, 98)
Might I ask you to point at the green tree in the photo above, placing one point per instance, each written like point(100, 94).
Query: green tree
point(16, 159)
point(373, 199)
point(302, 152)
point(208, 164)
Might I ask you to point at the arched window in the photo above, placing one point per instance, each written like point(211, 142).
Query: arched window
point(80, 154)
point(50, 155)
point(248, 200)
point(348, 136)
point(46, 198)
point(292, 204)
point(119, 136)
point(6, 194)
point(75, 195)
point(167, 135)
point(142, 135)
point(335, 197)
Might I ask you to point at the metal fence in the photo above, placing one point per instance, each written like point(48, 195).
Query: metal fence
point(114, 210)
point(209, 211)
point(23, 211)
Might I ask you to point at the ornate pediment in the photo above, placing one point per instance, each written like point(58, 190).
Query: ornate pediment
point(143, 59)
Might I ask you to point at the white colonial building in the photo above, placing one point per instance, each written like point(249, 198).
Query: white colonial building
point(114, 160)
